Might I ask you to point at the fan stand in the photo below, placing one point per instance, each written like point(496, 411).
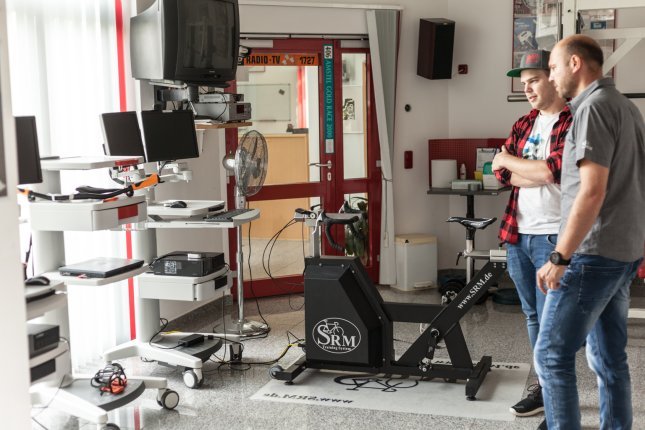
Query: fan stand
point(243, 327)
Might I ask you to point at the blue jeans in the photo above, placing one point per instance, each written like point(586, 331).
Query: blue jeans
point(591, 303)
point(524, 260)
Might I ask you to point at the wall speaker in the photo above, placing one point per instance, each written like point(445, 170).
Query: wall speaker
point(436, 39)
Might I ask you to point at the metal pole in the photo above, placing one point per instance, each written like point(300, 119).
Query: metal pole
point(240, 278)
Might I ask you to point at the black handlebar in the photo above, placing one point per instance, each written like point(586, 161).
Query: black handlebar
point(328, 222)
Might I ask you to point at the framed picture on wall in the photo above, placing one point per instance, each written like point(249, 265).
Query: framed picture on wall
point(353, 109)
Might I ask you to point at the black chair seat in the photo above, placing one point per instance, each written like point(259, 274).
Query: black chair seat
point(476, 223)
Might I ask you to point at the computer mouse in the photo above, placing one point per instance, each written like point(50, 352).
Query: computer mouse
point(37, 280)
point(178, 204)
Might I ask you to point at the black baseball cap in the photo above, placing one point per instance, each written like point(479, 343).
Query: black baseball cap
point(538, 59)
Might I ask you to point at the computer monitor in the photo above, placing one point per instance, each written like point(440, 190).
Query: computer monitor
point(29, 171)
point(191, 41)
point(122, 134)
point(169, 135)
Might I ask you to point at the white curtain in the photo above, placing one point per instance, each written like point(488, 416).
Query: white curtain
point(383, 31)
point(63, 64)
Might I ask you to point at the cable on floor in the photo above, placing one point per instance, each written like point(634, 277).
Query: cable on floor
point(266, 265)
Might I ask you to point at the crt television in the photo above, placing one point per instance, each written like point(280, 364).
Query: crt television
point(29, 171)
point(191, 41)
point(169, 135)
point(122, 134)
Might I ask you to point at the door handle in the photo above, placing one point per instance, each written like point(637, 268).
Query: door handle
point(327, 164)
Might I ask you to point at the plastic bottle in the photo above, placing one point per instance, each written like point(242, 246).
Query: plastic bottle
point(462, 171)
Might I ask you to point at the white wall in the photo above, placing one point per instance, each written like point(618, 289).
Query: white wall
point(14, 400)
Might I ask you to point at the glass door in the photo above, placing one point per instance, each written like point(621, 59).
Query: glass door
point(310, 100)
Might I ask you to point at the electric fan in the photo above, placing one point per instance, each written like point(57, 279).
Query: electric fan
point(249, 165)
point(250, 168)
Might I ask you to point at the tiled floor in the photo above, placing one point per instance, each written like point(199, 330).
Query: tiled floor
point(223, 400)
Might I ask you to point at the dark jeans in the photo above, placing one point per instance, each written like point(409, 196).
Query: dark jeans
point(591, 304)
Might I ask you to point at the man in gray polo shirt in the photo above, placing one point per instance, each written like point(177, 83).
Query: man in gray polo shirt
point(600, 244)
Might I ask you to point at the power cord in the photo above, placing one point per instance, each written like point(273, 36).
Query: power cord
point(225, 107)
point(249, 364)
point(170, 254)
point(266, 264)
point(164, 323)
point(267, 268)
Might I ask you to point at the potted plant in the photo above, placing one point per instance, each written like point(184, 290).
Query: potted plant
point(356, 240)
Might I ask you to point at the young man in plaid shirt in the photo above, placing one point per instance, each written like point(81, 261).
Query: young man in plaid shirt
point(530, 160)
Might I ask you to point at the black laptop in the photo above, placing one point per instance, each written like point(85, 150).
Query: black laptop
point(102, 267)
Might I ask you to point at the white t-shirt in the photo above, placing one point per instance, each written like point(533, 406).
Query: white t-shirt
point(538, 208)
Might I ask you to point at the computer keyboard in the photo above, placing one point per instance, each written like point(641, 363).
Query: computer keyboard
point(226, 216)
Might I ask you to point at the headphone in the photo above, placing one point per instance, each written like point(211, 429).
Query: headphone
point(111, 379)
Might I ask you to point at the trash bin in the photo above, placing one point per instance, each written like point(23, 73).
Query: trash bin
point(416, 262)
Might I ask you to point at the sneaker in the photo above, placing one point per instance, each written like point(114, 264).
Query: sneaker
point(542, 426)
point(531, 405)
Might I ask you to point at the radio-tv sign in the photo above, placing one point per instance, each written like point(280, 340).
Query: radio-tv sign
point(281, 60)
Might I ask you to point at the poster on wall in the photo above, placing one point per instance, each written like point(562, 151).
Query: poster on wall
point(353, 109)
point(524, 26)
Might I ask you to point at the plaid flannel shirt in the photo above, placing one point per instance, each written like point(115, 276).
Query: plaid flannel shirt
point(508, 231)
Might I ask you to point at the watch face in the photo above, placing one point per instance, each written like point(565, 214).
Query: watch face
point(554, 257)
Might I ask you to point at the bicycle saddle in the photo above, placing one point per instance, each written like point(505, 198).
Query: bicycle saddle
point(477, 223)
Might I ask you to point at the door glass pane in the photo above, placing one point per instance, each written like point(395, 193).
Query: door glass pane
point(286, 256)
point(358, 244)
point(284, 108)
point(354, 99)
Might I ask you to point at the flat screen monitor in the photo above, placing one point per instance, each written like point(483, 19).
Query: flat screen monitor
point(29, 171)
point(169, 135)
point(122, 134)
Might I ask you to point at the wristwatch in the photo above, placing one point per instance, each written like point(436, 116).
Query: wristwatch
point(556, 258)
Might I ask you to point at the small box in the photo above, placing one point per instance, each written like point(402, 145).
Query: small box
point(491, 183)
point(416, 261)
point(42, 338)
point(188, 263)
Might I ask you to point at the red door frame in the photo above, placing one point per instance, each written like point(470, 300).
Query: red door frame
point(333, 191)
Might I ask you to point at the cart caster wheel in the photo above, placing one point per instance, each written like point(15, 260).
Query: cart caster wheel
point(471, 398)
point(273, 371)
point(110, 426)
point(192, 380)
point(168, 399)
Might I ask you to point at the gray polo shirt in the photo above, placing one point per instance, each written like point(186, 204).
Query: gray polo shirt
point(608, 129)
